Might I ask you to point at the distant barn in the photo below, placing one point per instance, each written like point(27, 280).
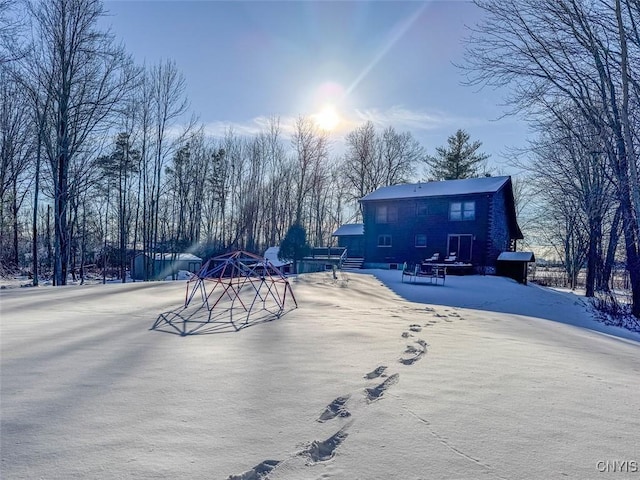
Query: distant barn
point(471, 221)
point(161, 265)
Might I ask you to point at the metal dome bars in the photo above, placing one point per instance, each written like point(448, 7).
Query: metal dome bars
point(243, 278)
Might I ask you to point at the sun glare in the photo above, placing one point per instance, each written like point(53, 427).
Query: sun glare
point(327, 118)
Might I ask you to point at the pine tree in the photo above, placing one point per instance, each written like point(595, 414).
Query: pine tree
point(294, 245)
point(460, 159)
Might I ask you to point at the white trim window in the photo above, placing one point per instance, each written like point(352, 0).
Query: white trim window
point(462, 211)
point(384, 240)
point(386, 214)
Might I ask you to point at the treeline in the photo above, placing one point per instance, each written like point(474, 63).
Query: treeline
point(96, 157)
point(573, 67)
point(98, 160)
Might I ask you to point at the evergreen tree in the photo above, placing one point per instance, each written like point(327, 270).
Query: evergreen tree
point(294, 245)
point(119, 169)
point(460, 159)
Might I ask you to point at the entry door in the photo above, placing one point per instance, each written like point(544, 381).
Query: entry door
point(462, 245)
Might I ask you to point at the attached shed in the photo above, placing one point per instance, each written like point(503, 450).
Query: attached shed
point(351, 237)
point(514, 265)
point(161, 265)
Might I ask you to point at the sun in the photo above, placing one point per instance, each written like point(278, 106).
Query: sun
point(327, 118)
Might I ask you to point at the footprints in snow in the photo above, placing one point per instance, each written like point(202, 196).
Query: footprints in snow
point(415, 353)
point(258, 472)
point(375, 393)
point(316, 452)
point(378, 372)
point(322, 451)
point(335, 409)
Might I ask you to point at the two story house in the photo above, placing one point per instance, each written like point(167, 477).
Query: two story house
point(474, 219)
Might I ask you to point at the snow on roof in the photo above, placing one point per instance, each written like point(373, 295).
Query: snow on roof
point(349, 229)
point(271, 254)
point(517, 257)
point(438, 188)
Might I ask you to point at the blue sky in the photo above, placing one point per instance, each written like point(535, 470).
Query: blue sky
point(389, 62)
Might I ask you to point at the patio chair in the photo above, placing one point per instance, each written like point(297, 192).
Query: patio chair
point(434, 258)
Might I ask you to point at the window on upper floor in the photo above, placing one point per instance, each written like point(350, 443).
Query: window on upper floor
point(421, 210)
point(386, 214)
point(462, 211)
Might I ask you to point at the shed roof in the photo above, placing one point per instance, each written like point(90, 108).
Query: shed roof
point(349, 229)
point(438, 188)
point(271, 254)
point(187, 257)
point(517, 257)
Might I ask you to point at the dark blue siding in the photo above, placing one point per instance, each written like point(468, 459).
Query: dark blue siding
point(430, 216)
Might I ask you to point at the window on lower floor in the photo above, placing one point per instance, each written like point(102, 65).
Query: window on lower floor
point(384, 240)
point(421, 240)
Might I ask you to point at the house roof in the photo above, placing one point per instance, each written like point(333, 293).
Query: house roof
point(350, 229)
point(438, 188)
point(517, 257)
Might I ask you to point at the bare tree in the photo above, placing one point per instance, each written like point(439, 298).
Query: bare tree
point(278, 214)
point(10, 30)
point(375, 160)
point(84, 74)
point(359, 161)
point(585, 54)
point(311, 149)
point(16, 145)
point(569, 166)
point(400, 153)
point(162, 96)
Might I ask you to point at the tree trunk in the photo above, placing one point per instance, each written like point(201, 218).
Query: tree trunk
point(604, 277)
point(593, 255)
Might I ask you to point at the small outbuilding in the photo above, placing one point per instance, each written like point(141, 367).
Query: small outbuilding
point(161, 265)
point(271, 254)
point(514, 265)
point(351, 237)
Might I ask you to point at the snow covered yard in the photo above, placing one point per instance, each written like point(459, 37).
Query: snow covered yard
point(373, 378)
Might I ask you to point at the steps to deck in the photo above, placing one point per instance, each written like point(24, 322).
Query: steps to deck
point(352, 263)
